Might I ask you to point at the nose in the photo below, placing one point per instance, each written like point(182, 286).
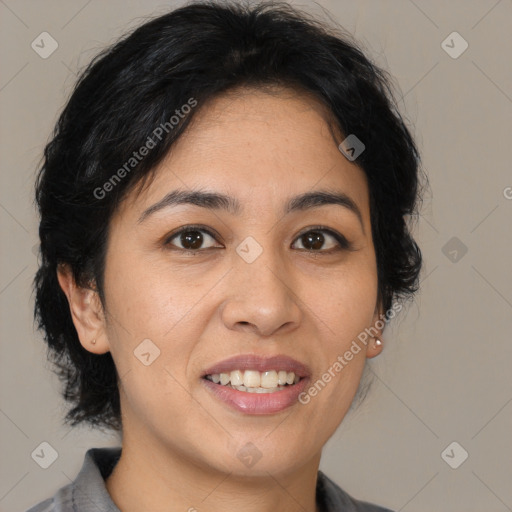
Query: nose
point(261, 297)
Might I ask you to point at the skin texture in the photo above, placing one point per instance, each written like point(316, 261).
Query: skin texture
point(180, 443)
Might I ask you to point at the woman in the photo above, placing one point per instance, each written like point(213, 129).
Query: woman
point(223, 238)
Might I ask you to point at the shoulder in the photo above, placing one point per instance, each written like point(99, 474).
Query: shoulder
point(332, 498)
point(76, 496)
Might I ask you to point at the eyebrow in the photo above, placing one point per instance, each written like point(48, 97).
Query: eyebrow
point(218, 201)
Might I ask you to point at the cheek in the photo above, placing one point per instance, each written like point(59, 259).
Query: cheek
point(143, 315)
point(345, 303)
point(148, 298)
point(340, 320)
point(152, 330)
point(154, 399)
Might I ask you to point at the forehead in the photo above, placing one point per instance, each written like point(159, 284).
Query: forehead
point(259, 146)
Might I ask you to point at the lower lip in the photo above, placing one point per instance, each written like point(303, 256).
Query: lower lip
point(257, 403)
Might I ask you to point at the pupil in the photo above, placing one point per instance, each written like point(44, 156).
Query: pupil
point(315, 239)
point(192, 239)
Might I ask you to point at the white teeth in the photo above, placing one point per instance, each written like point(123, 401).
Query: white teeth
point(254, 381)
point(237, 378)
point(269, 379)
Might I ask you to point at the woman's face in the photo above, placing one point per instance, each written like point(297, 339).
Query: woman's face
point(249, 288)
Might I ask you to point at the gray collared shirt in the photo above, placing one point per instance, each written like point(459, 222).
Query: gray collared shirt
point(88, 492)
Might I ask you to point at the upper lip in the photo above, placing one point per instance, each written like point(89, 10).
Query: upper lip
point(259, 363)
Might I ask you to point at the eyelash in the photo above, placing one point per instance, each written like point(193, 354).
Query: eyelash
point(344, 244)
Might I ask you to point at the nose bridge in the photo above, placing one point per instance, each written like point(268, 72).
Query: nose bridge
point(260, 289)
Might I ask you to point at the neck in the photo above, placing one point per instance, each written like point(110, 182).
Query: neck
point(148, 477)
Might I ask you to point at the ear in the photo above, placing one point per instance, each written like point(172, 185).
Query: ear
point(86, 312)
point(378, 323)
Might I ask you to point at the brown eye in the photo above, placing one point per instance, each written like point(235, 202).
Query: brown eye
point(314, 240)
point(191, 239)
point(194, 239)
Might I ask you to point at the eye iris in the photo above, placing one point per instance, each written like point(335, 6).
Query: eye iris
point(191, 239)
point(314, 238)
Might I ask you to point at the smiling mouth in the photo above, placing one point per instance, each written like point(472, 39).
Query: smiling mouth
point(253, 381)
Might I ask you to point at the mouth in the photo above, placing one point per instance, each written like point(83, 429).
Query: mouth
point(253, 384)
point(253, 381)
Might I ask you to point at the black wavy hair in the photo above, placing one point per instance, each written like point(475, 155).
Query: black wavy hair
point(131, 88)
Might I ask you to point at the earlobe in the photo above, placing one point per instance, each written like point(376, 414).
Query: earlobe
point(86, 312)
point(375, 346)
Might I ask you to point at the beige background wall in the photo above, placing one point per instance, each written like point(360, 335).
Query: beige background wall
point(445, 373)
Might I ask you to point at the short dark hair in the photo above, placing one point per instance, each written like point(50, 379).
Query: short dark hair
point(198, 52)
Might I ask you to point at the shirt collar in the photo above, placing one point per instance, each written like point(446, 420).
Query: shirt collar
point(89, 492)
